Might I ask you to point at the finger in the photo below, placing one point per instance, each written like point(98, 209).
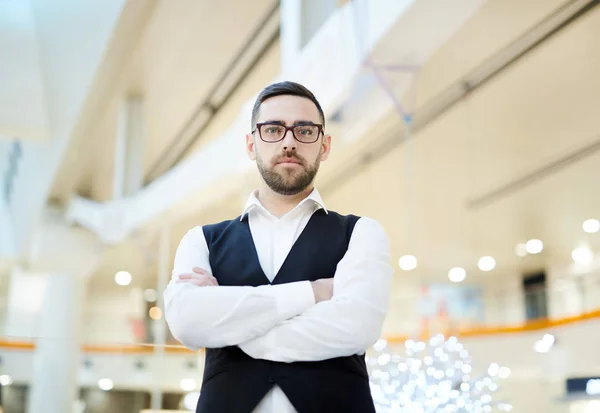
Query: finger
point(209, 277)
point(202, 280)
point(180, 281)
point(190, 277)
point(197, 282)
point(201, 277)
point(199, 270)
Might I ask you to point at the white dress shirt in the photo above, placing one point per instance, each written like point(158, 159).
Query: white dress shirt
point(282, 322)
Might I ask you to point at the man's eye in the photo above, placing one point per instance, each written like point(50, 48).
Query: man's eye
point(306, 131)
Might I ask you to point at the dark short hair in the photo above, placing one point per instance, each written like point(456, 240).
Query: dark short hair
point(280, 89)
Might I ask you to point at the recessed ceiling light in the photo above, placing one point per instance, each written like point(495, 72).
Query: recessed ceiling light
point(187, 384)
point(457, 274)
point(105, 384)
point(521, 250)
point(123, 278)
point(486, 263)
point(582, 255)
point(155, 313)
point(5, 380)
point(534, 246)
point(591, 226)
point(408, 262)
point(150, 295)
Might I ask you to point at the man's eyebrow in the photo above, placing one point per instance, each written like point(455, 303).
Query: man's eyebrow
point(298, 122)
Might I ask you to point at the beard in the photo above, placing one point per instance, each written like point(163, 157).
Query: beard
point(289, 181)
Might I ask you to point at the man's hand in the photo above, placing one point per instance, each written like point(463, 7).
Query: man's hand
point(323, 289)
point(201, 278)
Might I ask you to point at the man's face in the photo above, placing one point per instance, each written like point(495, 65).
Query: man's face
point(288, 166)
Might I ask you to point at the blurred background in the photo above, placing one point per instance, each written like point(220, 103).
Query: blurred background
point(470, 129)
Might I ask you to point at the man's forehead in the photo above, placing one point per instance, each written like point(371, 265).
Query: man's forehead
point(288, 109)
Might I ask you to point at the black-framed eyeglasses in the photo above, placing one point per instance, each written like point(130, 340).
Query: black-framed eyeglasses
point(275, 132)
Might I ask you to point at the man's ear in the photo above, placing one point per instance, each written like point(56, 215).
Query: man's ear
point(325, 147)
point(250, 147)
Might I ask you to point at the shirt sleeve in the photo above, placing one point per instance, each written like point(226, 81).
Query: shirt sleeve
point(222, 316)
point(352, 320)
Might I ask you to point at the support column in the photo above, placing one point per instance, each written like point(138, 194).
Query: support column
point(56, 360)
point(160, 326)
point(63, 257)
point(26, 292)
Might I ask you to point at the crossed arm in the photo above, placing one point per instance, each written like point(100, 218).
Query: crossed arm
point(282, 322)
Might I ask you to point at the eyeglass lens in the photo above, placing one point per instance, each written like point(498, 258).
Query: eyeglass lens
point(303, 133)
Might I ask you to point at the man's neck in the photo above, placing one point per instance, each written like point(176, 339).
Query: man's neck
point(278, 204)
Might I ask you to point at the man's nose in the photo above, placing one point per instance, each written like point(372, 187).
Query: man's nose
point(289, 142)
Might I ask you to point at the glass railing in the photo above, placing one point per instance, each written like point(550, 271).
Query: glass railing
point(472, 311)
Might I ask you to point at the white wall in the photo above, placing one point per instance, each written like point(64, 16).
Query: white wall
point(22, 98)
point(72, 37)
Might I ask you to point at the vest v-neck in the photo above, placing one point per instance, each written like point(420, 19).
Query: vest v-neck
point(314, 255)
point(298, 244)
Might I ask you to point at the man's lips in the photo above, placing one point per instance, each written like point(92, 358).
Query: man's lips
point(288, 161)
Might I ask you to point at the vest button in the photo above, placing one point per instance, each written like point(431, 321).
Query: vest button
point(271, 380)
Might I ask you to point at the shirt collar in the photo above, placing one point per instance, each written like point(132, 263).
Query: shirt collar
point(313, 198)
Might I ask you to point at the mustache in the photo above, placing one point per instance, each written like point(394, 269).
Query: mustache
point(289, 155)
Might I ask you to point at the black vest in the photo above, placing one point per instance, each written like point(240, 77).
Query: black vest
point(234, 382)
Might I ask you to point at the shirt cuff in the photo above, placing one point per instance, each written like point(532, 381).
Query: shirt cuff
point(294, 298)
